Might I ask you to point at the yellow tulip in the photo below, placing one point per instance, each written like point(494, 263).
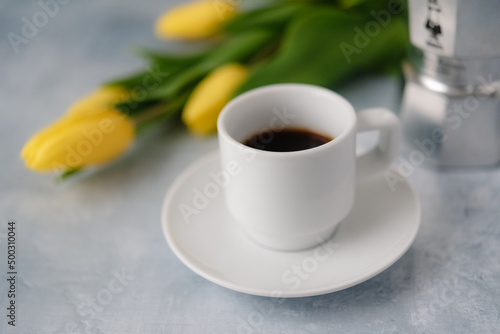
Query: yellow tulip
point(93, 104)
point(80, 141)
point(104, 97)
point(210, 96)
point(194, 20)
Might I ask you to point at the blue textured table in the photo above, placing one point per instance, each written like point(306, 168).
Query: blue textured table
point(91, 254)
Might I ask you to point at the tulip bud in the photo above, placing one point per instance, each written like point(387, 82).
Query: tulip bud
point(76, 142)
point(194, 20)
point(92, 104)
point(210, 96)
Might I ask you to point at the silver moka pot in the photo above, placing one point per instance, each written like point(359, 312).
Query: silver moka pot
point(451, 103)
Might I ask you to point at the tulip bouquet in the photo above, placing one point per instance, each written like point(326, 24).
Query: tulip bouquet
point(315, 42)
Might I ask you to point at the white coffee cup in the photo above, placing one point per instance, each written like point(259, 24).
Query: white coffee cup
point(295, 200)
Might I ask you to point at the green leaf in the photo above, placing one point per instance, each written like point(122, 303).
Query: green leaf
point(367, 5)
point(238, 48)
point(129, 82)
point(132, 107)
point(170, 60)
point(66, 174)
point(352, 3)
point(160, 65)
point(274, 17)
point(168, 111)
point(324, 47)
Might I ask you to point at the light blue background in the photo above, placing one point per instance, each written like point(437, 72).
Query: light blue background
point(74, 237)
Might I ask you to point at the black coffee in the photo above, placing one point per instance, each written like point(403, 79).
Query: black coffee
point(286, 140)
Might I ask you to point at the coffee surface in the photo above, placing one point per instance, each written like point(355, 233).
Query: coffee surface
point(286, 140)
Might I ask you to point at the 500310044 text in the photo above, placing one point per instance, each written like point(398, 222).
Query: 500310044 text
point(11, 272)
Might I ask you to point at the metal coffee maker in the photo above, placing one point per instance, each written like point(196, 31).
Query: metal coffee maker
point(451, 103)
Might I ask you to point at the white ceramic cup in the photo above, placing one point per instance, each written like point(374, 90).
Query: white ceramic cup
point(295, 200)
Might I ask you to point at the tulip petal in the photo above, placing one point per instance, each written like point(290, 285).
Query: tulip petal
point(210, 96)
point(95, 102)
point(83, 142)
point(194, 20)
point(90, 105)
point(32, 145)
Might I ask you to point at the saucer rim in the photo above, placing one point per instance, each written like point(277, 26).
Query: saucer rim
point(299, 293)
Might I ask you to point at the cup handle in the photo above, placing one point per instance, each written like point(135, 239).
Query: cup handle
point(377, 160)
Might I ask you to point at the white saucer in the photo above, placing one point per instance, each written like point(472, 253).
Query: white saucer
point(378, 231)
